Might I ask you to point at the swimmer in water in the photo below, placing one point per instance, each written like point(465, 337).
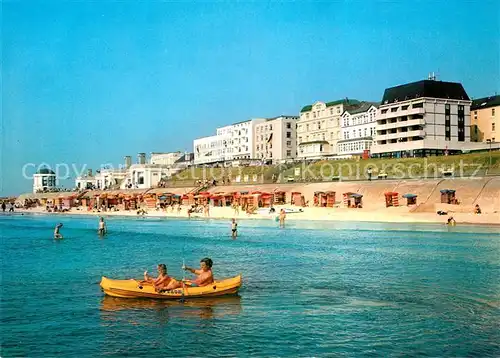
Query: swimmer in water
point(102, 227)
point(57, 234)
point(234, 229)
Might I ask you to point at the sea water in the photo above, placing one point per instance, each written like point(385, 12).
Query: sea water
point(310, 289)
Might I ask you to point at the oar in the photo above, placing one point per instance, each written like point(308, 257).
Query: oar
point(182, 300)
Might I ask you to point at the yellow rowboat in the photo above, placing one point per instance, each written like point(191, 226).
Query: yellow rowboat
point(136, 289)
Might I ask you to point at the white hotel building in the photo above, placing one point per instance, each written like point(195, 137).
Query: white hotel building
point(422, 118)
point(231, 143)
point(276, 139)
point(357, 128)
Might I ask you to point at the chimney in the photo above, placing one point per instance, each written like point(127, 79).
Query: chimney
point(141, 158)
point(128, 161)
point(89, 172)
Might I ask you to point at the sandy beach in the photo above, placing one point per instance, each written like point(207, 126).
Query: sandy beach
point(392, 215)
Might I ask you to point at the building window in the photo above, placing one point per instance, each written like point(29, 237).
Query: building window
point(288, 125)
point(288, 153)
point(493, 126)
point(383, 111)
point(447, 123)
point(288, 143)
point(493, 112)
point(461, 123)
point(394, 109)
point(420, 105)
point(289, 134)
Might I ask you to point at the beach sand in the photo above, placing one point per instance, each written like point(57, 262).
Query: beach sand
point(390, 215)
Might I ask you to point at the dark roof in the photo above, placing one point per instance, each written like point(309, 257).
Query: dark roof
point(45, 171)
point(361, 107)
point(344, 101)
point(425, 88)
point(186, 157)
point(485, 102)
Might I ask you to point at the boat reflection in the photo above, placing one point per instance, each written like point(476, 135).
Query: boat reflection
point(205, 308)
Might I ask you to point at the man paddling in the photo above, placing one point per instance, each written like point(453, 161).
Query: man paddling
point(205, 275)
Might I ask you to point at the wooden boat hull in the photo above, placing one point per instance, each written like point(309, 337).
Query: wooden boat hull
point(137, 289)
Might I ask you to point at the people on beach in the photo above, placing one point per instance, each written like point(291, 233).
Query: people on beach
point(4, 206)
point(205, 276)
point(163, 282)
point(102, 227)
point(282, 218)
point(179, 208)
point(234, 229)
point(477, 209)
point(57, 233)
point(451, 221)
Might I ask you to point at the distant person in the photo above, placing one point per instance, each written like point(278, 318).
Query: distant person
point(282, 218)
point(451, 221)
point(477, 209)
point(369, 171)
point(234, 229)
point(57, 234)
point(102, 227)
point(205, 275)
point(11, 208)
point(4, 206)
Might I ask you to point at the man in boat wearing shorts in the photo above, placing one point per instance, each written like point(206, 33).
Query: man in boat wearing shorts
point(163, 282)
point(205, 275)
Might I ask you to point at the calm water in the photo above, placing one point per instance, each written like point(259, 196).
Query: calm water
point(312, 289)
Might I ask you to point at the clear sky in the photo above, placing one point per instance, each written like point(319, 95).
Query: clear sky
point(89, 82)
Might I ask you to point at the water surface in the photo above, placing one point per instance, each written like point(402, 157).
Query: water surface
point(311, 289)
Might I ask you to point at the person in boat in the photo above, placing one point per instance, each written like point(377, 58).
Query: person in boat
point(205, 275)
point(234, 228)
point(57, 234)
point(102, 227)
point(163, 282)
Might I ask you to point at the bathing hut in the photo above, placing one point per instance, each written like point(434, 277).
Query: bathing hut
point(187, 199)
point(202, 198)
point(150, 200)
point(330, 199)
point(448, 196)
point(411, 199)
point(218, 199)
point(279, 198)
point(319, 198)
point(391, 199)
point(353, 200)
point(298, 199)
point(265, 200)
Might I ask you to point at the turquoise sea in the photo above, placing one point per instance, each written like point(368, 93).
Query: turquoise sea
point(311, 289)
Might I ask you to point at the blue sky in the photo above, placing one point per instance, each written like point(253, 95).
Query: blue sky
point(86, 83)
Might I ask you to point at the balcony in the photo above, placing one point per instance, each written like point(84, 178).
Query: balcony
point(410, 111)
point(389, 136)
point(400, 124)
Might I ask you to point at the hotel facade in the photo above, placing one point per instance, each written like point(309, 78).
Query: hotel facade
point(422, 118)
point(357, 128)
point(318, 128)
point(485, 119)
point(275, 139)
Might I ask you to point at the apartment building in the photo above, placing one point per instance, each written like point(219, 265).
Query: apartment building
point(357, 128)
point(422, 118)
point(485, 119)
point(318, 128)
point(275, 139)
